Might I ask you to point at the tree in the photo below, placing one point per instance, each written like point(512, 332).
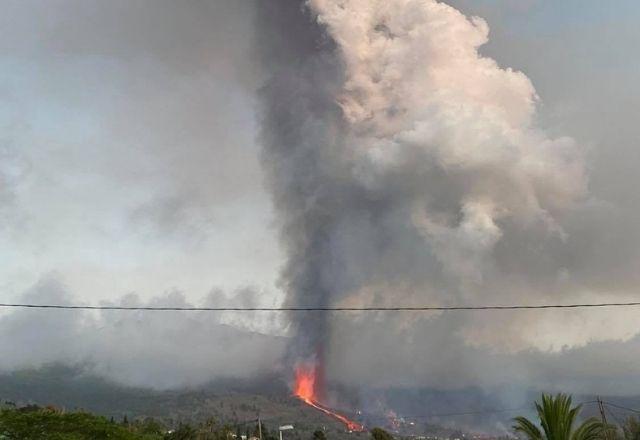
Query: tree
point(148, 426)
point(381, 434)
point(183, 432)
point(256, 430)
point(319, 435)
point(19, 424)
point(266, 435)
point(631, 429)
point(558, 420)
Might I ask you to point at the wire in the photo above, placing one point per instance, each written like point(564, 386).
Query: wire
point(323, 309)
point(612, 414)
point(587, 402)
point(467, 413)
point(495, 411)
point(622, 407)
point(464, 413)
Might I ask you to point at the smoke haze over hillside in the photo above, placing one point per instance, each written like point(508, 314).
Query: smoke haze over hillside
point(329, 152)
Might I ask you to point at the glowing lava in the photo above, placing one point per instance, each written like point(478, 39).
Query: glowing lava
point(305, 391)
point(305, 383)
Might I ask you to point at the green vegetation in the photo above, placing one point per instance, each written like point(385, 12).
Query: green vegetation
point(558, 419)
point(631, 429)
point(380, 434)
point(235, 403)
point(35, 423)
point(319, 435)
point(50, 424)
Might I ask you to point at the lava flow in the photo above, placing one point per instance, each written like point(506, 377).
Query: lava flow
point(305, 391)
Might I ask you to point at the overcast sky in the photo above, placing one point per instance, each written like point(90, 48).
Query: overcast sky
point(130, 154)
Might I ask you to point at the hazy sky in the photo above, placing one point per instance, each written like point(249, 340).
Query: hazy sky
point(130, 163)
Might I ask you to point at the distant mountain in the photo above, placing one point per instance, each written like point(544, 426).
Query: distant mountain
point(239, 402)
point(412, 411)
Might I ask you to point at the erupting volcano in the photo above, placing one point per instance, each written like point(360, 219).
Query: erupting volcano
point(305, 390)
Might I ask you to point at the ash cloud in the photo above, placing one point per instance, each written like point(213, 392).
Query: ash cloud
point(299, 115)
point(407, 169)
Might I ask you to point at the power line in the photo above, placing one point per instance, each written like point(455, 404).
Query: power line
point(588, 402)
point(622, 407)
point(324, 309)
point(461, 413)
point(468, 413)
point(490, 411)
point(603, 416)
point(428, 415)
point(422, 415)
point(452, 414)
point(612, 414)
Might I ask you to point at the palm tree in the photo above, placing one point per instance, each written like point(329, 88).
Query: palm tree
point(557, 419)
point(631, 429)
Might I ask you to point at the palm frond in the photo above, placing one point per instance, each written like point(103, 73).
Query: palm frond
point(556, 416)
point(557, 420)
point(526, 427)
point(590, 429)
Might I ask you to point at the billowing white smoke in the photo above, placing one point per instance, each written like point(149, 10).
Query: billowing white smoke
point(408, 169)
point(417, 96)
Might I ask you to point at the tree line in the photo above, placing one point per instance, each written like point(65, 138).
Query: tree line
point(557, 419)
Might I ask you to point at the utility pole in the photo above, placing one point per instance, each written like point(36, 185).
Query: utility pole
point(604, 418)
point(284, 428)
point(259, 426)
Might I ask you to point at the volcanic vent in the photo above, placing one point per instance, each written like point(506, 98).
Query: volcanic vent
point(306, 389)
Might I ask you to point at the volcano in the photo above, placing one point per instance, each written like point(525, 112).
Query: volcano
point(306, 389)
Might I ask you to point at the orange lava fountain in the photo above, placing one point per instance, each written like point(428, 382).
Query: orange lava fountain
point(305, 391)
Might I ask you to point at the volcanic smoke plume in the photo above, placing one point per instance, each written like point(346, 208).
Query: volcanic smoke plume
point(399, 158)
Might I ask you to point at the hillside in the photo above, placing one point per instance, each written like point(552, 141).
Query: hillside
point(226, 402)
point(420, 411)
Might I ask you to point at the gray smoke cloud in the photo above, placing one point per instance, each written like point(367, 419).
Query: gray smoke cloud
point(162, 350)
point(410, 169)
point(299, 113)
